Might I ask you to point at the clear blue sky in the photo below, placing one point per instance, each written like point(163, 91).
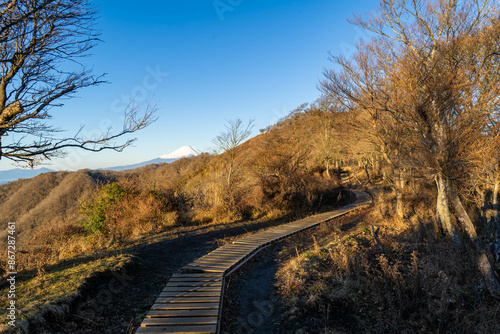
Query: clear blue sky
point(225, 59)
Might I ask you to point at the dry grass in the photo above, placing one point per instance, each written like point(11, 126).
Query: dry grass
point(50, 287)
point(160, 200)
point(418, 283)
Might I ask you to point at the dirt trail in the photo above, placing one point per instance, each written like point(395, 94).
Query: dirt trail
point(252, 303)
point(114, 303)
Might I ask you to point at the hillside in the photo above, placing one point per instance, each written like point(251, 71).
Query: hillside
point(51, 200)
point(66, 219)
point(92, 221)
point(283, 170)
point(45, 201)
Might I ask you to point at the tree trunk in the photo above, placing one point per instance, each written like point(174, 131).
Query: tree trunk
point(399, 193)
point(353, 170)
point(463, 216)
point(443, 210)
point(365, 166)
point(493, 221)
point(378, 167)
point(484, 203)
point(484, 262)
point(494, 199)
point(327, 171)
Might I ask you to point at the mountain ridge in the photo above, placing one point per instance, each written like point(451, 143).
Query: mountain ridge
point(182, 152)
point(186, 151)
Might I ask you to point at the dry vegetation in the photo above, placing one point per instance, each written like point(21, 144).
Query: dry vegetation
point(82, 218)
point(413, 116)
point(413, 281)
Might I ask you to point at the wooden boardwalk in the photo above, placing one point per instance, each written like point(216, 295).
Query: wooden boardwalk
point(191, 302)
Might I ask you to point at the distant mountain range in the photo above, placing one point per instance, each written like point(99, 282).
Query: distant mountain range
point(19, 173)
point(183, 152)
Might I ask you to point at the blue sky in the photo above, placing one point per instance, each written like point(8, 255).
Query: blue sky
point(203, 62)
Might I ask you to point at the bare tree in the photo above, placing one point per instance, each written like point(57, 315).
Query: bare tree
point(227, 141)
point(41, 45)
point(433, 71)
point(328, 143)
point(362, 87)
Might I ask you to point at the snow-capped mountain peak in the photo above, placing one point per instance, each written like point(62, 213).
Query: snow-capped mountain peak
point(183, 152)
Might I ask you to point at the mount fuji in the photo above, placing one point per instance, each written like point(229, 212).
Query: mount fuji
point(182, 152)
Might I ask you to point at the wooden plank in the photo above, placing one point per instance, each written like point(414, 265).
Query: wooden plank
point(196, 279)
point(215, 260)
point(187, 300)
point(256, 237)
point(248, 244)
point(179, 321)
point(252, 239)
point(235, 258)
point(215, 264)
point(196, 275)
point(183, 313)
point(191, 294)
point(230, 248)
point(212, 264)
point(240, 245)
point(193, 284)
point(191, 288)
point(185, 306)
point(230, 254)
point(231, 251)
point(224, 255)
point(199, 329)
point(206, 269)
point(240, 250)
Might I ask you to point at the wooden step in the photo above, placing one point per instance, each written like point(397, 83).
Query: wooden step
point(205, 269)
point(183, 313)
point(211, 264)
point(215, 260)
point(202, 275)
point(185, 306)
point(192, 284)
point(183, 299)
point(192, 329)
point(195, 279)
point(191, 294)
point(179, 321)
point(191, 288)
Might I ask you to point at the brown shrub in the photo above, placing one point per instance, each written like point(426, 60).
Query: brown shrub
point(417, 284)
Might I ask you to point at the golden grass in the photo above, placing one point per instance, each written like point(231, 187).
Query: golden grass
point(57, 283)
point(416, 283)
